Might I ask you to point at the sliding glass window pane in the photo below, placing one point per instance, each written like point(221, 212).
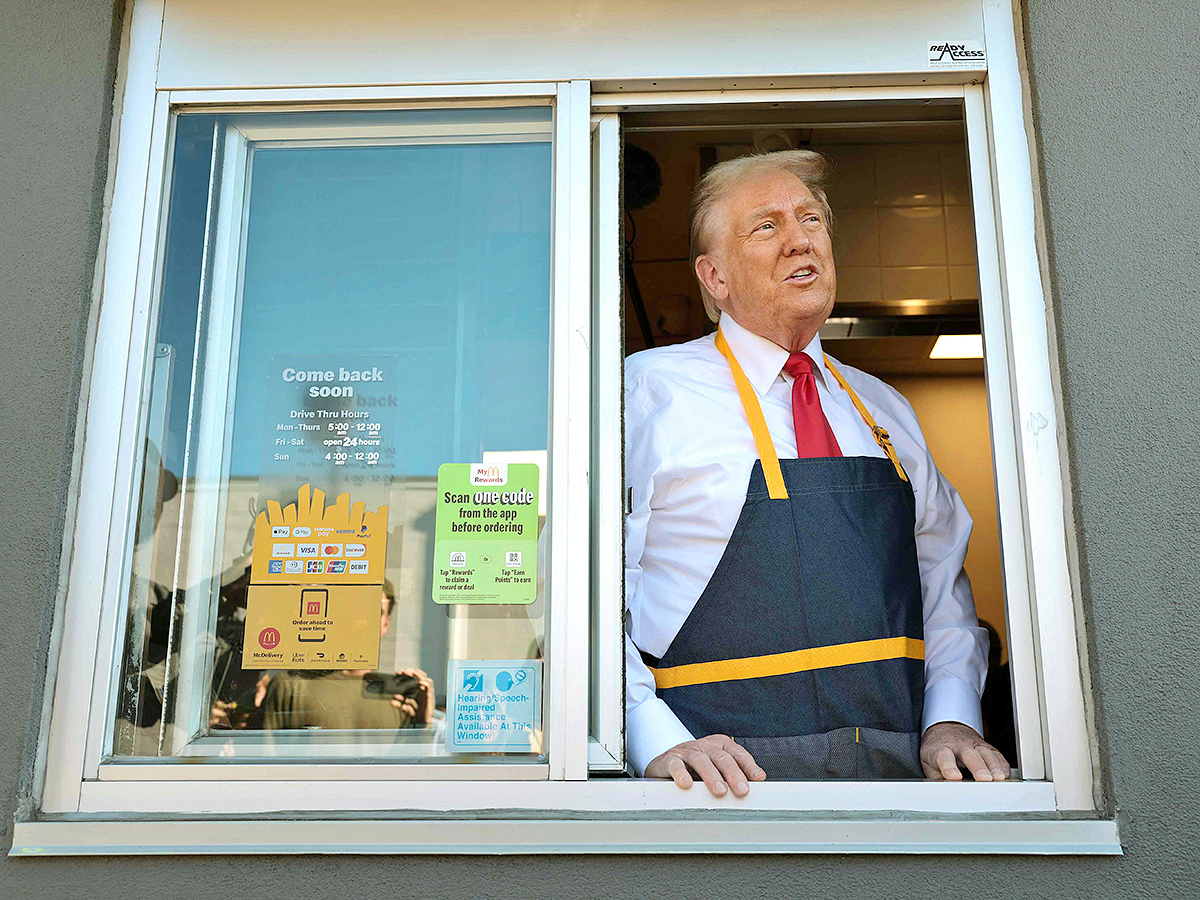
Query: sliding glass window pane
point(337, 547)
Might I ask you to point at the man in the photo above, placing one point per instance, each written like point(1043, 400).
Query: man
point(797, 606)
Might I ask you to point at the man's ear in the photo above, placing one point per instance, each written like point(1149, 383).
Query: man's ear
point(711, 277)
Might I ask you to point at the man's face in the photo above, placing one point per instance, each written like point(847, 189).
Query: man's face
point(772, 269)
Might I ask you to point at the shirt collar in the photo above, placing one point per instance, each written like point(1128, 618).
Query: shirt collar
point(762, 359)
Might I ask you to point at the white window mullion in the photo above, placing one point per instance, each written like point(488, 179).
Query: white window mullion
point(570, 419)
point(607, 719)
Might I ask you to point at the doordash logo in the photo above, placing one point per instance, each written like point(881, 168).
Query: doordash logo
point(490, 473)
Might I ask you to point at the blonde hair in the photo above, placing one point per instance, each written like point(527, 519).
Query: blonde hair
point(719, 181)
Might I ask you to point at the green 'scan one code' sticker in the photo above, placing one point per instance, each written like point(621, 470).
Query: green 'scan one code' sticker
point(485, 546)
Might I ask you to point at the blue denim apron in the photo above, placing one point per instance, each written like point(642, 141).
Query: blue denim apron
point(806, 645)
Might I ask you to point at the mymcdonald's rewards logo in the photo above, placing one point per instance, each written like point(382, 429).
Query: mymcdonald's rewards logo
point(490, 473)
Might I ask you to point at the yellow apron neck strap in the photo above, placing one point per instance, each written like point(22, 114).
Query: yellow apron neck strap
point(881, 435)
point(758, 425)
point(762, 437)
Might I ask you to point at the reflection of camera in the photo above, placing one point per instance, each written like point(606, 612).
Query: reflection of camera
point(383, 686)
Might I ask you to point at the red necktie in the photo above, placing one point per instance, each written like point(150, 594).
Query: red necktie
point(814, 437)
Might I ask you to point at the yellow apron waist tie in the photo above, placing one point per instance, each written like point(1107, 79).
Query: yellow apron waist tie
point(789, 662)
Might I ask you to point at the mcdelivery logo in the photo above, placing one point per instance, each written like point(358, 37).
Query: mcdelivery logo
point(268, 638)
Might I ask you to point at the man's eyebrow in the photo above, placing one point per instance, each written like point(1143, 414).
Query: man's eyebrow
point(774, 208)
point(764, 211)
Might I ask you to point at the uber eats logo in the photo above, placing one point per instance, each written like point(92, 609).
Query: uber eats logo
point(956, 55)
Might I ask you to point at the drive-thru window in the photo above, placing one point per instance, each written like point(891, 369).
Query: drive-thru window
point(348, 537)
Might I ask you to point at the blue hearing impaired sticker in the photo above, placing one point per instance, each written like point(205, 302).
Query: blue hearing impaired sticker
point(494, 705)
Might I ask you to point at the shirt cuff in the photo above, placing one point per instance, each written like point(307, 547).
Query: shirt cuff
point(952, 700)
point(650, 730)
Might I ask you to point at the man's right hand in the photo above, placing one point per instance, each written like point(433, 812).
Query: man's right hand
point(717, 759)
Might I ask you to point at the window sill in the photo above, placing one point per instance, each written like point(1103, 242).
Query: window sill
point(729, 832)
point(166, 790)
point(215, 815)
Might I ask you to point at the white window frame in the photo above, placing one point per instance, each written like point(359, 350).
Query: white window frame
point(145, 807)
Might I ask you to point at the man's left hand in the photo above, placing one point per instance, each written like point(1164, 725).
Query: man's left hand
point(948, 745)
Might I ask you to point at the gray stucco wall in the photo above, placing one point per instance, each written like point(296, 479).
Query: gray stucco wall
point(1116, 111)
point(57, 62)
point(1116, 103)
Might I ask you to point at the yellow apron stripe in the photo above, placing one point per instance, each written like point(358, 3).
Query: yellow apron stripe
point(762, 437)
point(881, 436)
point(792, 661)
point(758, 425)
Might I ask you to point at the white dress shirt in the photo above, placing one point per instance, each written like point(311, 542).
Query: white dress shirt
point(688, 456)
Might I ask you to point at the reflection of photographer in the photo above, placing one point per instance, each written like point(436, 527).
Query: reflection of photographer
point(351, 698)
point(348, 698)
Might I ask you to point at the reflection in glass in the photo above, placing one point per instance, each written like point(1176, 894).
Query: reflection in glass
point(428, 248)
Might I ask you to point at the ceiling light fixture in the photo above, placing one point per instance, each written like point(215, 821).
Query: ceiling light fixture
point(958, 346)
